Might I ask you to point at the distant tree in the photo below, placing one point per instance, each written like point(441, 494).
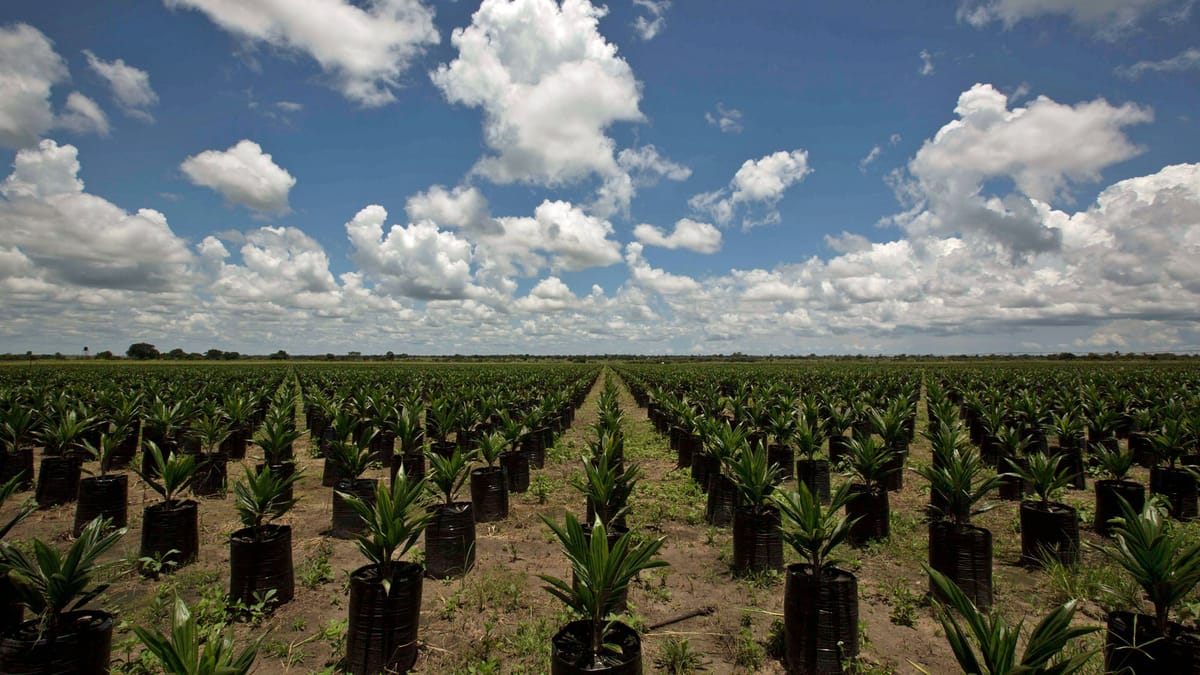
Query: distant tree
point(214, 354)
point(142, 351)
point(279, 356)
point(231, 356)
point(104, 355)
point(177, 353)
point(330, 357)
point(389, 356)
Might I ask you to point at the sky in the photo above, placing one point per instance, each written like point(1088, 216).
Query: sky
point(646, 176)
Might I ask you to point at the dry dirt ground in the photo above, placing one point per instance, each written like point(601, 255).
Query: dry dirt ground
point(499, 616)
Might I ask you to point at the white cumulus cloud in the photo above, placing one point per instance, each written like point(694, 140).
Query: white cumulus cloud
point(688, 234)
point(417, 261)
point(243, 175)
point(549, 85)
point(130, 86)
point(728, 120)
point(81, 115)
point(1043, 148)
point(650, 24)
point(29, 67)
point(364, 47)
point(758, 184)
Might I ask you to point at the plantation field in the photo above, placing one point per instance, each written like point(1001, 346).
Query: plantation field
point(497, 617)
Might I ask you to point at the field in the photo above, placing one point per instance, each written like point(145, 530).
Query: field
point(496, 617)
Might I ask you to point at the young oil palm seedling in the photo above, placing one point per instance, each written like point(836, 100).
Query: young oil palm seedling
point(757, 534)
point(1174, 482)
point(11, 610)
point(889, 423)
point(55, 586)
point(722, 442)
point(607, 484)
point(191, 650)
point(1011, 446)
point(351, 458)
point(405, 423)
point(209, 430)
point(1165, 562)
point(385, 594)
point(959, 482)
point(811, 470)
point(170, 531)
point(820, 601)
point(782, 424)
point(516, 459)
point(601, 573)
point(260, 554)
point(275, 437)
point(104, 495)
point(869, 463)
point(450, 534)
point(18, 434)
point(489, 484)
point(1115, 486)
point(1068, 427)
point(988, 645)
point(62, 460)
point(1049, 529)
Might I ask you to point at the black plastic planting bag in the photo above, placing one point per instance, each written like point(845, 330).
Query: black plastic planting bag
point(489, 494)
point(346, 521)
point(757, 540)
point(450, 540)
point(1179, 487)
point(382, 633)
point(1109, 494)
point(815, 474)
point(722, 500)
point(820, 620)
point(258, 565)
point(964, 554)
point(102, 496)
point(872, 510)
point(1133, 645)
point(516, 469)
point(571, 650)
point(170, 527)
point(58, 481)
point(1050, 531)
point(81, 647)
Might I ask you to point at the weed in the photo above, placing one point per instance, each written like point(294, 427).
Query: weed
point(906, 604)
point(775, 640)
point(677, 658)
point(746, 652)
point(316, 570)
point(541, 487)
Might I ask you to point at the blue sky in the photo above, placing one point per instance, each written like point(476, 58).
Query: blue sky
point(644, 176)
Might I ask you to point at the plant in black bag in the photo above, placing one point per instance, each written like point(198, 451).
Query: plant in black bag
point(55, 586)
point(385, 594)
point(601, 572)
point(820, 606)
point(172, 523)
point(1165, 562)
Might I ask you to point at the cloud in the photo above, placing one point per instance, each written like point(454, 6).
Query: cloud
point(1043, 149)
point(75, 238)
point(1108, 18)
point(463, 208)
point(365, 50)
point(289, 106)
point(549, 85)
point(548, 295)
point(243, 175)
point(130, 86)
point(728, 120)
point(1188, 59)
point(926, 63)
point(29, 67)
point(688, 234)
point(418, 261)
point(639, 167)
point(655, 279)
point(570, 238)
point(83, 116)
point(759, 183)
point(873, 155)
point(650, 25)
point(282, 267)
